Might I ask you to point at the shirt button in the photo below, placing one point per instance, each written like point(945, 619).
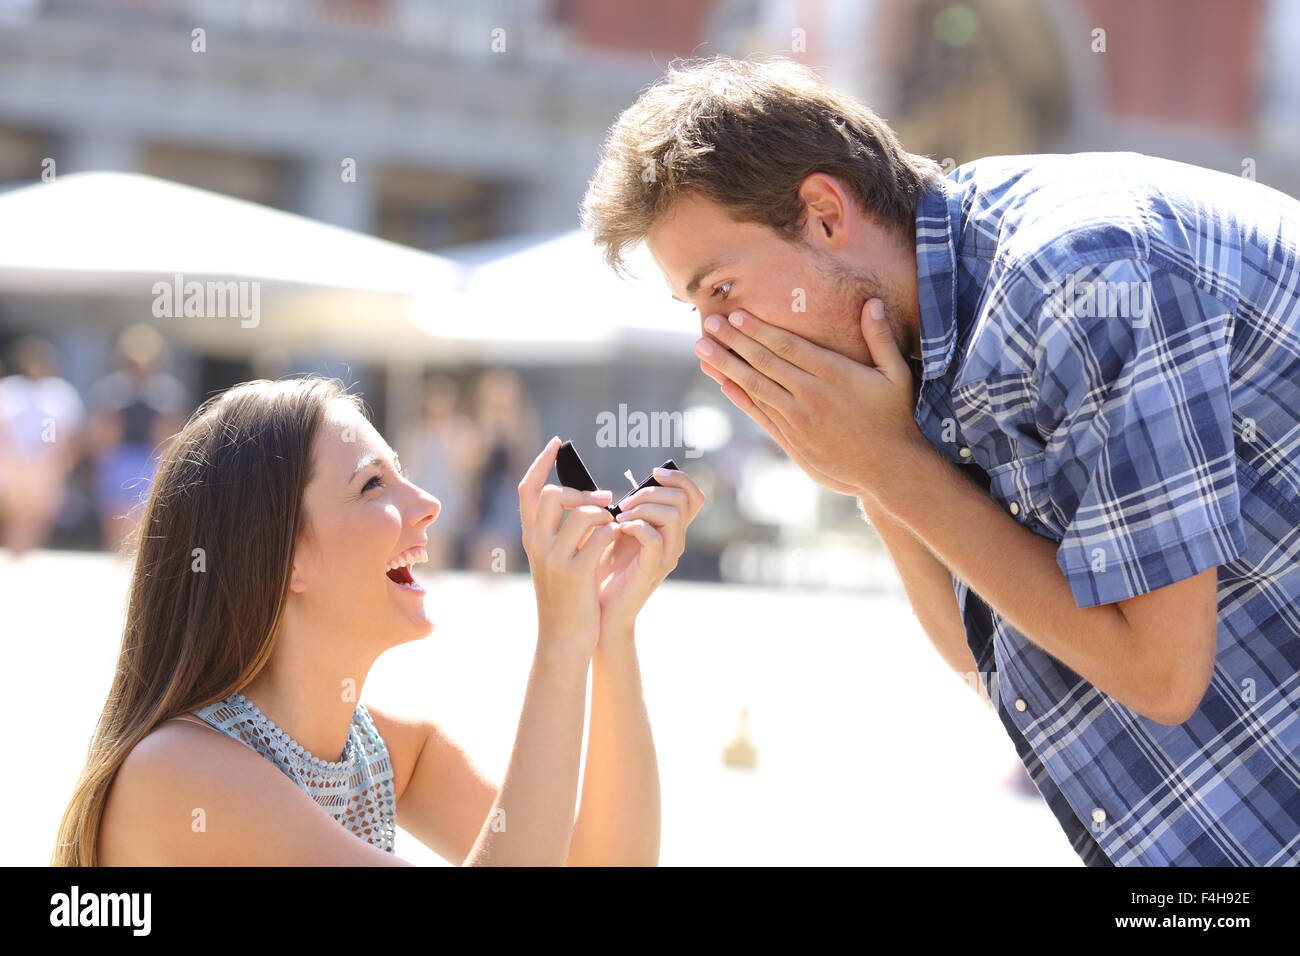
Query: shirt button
point(1015, 508)
point(964, 452)
point(1021, 705)
point(1099, 815)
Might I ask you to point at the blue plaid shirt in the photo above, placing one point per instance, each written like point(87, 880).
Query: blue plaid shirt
point(1111, 346)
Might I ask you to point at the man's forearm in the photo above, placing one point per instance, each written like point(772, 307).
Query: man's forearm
point(1015, 571)
point(929, 589)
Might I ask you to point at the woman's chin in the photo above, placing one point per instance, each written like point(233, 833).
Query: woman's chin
point(413, 608)
point(420, 626)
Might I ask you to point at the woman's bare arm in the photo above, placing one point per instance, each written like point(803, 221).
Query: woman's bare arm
point(619, 817)
point(531, 821)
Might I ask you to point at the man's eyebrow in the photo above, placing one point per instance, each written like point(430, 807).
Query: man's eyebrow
point(693, 285)
point(374, 460)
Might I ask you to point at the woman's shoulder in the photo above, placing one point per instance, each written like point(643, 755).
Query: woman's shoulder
point(167, 788)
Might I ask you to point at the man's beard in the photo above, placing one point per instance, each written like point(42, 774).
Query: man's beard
point(854, 288)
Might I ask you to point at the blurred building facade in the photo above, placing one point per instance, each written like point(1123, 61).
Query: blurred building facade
point(445, 123)
point(470, 119)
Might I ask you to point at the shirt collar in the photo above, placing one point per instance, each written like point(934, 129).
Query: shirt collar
point(938, 223)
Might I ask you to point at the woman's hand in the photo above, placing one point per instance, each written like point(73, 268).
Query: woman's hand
point(653, 535)
point(563, 558)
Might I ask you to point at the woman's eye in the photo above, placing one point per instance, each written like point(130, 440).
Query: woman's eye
point(724, 288)
point(370, 482)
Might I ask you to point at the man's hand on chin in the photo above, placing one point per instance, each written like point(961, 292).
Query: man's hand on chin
point(848, 425)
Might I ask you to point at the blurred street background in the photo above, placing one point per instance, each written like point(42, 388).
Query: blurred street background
point(388, 191)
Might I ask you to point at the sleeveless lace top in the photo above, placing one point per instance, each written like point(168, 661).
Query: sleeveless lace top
point(357, 791)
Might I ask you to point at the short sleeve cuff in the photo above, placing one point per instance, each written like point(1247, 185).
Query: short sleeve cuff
point(1133, 576)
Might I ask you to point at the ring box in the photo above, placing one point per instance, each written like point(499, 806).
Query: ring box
point(574, 474)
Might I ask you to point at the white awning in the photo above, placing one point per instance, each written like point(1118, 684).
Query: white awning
point(532, 299)
point(120, 234)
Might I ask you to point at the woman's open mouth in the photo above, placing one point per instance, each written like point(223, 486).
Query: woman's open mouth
point(399, 569)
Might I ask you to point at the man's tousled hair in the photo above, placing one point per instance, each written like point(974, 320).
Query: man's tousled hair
point(745, 134)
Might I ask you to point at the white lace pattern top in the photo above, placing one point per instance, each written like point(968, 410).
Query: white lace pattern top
point(357, 791)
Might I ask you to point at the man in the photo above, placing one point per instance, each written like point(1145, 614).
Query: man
point(1072, 423)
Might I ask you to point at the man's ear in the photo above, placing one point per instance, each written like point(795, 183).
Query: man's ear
point(827, 211)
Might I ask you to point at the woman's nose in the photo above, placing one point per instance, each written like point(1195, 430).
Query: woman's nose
point(424, 506)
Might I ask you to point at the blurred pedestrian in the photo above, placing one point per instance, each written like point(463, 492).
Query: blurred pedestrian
point(41, 421)
point(135, 410)
point(507, 430)
point(440, 451)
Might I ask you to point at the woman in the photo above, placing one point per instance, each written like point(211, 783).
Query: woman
point(270, 574)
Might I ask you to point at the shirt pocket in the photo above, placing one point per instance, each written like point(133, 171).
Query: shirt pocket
point(1021, 488)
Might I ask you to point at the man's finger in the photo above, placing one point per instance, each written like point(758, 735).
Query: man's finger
point(741, 400)
point(764, 422)
point(798, 351)
point(753, 381)
point(880, 340)
point(740, 332)
point(713, 373)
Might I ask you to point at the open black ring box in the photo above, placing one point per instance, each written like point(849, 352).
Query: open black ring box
point(574, 474)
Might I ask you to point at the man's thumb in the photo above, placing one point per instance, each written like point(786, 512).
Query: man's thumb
point(880, 337)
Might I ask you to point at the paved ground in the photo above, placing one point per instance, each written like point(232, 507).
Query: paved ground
point(869, 750)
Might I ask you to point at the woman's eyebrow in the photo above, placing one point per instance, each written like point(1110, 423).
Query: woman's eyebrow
point(374, 460)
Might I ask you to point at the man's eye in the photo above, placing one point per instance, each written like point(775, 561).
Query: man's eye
point(724, 287)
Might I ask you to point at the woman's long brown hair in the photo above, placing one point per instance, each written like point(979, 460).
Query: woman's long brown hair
point(213, 555)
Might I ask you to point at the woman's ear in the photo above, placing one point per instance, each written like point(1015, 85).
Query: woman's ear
point(305, 541)
point(297, 582)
